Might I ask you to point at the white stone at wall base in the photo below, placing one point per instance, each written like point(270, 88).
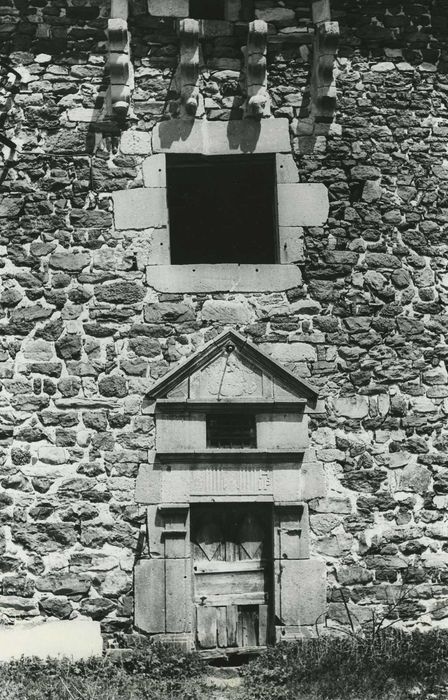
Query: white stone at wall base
point(75, 639)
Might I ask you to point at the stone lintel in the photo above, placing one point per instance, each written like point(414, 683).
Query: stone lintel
point(303, 204)
point(222, 138)
point(140, 208)
point(223, 277)
point(168, 8)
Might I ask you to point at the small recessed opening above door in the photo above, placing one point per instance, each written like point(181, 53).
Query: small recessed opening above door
point(231, 430)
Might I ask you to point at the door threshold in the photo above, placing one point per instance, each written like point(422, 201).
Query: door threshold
point(230, 656)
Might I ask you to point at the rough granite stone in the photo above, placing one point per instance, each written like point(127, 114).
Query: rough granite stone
point(93, 312)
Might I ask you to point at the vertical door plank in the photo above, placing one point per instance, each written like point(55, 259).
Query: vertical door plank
point(232, 551)
point(232, 625)
point(251, 537)
point(252, 626)
point(209, 542)
point(247, 626)
point(222, 626)
point(206, 627)
point(262, 625)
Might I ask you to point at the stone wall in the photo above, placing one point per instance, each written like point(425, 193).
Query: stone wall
point(83, 335)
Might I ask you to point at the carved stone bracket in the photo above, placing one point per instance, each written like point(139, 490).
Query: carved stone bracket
point(120, 68)
point(189, 66)
point(257, 102)
point(323, 88)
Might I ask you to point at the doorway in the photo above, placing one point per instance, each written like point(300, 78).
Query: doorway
point(231, 551)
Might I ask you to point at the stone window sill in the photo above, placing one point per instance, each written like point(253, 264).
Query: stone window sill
point(223, 277)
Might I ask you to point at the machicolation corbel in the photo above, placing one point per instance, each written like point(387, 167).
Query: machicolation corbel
point(323, 87)
point(120, 68)
point(189, 66)
point(257, 102)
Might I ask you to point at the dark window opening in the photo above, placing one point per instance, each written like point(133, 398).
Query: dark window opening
point(231, 430)
point(207, 9)
point(222, 209)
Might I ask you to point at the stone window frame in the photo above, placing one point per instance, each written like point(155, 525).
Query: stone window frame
point(299, 205)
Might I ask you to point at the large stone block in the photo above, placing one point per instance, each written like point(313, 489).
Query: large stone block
point(216, 137)
point(140, 208)
point(415, 478)
point(352, 406)
point(302, 599)
point(154, 170)
point(302, 204)
point(291, 248)
point(280, 16)
point(286, 169)
point(222, 278)
point(168, 8)
point(227, 311)
point(333, 504)
point(37, 350)
point(312, 481)
point(282, 431)
point(290, 352)
point(75, 639)
point(181, 432)
point(119, 8)
point(136, 143)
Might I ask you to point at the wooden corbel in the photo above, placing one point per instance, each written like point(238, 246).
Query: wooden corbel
point(326, 43)
point(189, 66)
point(120, 68)
point(257, 102)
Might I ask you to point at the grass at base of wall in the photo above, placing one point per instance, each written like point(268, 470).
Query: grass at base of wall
point(389, 665)
point(393, 666)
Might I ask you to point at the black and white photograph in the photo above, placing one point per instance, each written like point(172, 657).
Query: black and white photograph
point(223, 350)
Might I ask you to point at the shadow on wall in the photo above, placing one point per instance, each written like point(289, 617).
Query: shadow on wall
point(157, 92)
point(9, 85)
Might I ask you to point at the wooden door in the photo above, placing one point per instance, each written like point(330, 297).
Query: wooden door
point(232, 570)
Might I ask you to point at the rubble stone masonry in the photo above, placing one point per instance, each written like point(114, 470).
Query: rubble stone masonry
point(83, 334)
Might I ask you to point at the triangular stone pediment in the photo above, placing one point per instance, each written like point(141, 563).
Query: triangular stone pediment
point(230, 367)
